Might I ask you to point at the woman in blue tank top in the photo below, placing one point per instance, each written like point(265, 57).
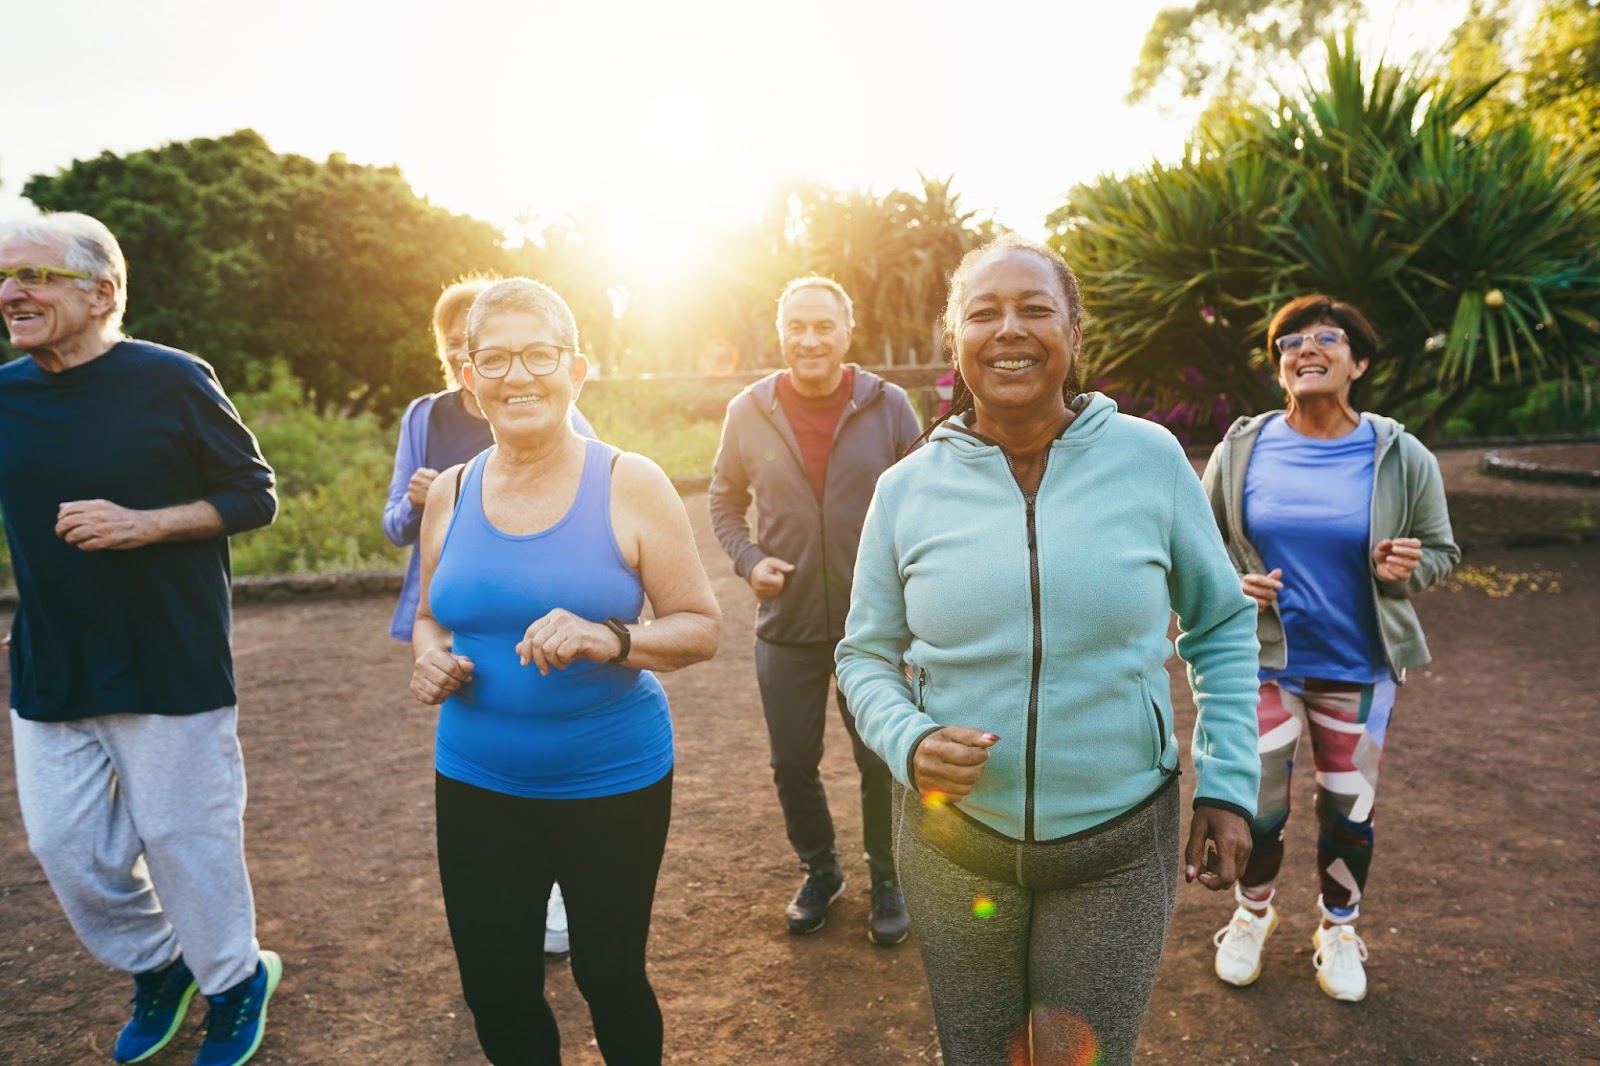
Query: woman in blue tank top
point(554, 750)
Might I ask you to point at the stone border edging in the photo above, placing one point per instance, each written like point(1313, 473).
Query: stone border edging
point(1504, 466)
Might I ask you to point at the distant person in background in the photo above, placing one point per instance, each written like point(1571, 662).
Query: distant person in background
point(124, 468)
point(554, 753)
point(1334, 520)
point(440, 430)
point(808, 443)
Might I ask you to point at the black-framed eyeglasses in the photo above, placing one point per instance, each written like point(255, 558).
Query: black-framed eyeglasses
point(1326, 337)
point(540, 360)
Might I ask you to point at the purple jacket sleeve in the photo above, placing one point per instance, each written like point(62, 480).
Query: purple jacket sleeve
point(402, 522)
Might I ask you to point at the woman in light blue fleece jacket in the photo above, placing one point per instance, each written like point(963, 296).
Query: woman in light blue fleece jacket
point(1005, 654)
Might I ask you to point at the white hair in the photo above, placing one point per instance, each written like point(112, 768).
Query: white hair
point(87, 247)
point(817, 281)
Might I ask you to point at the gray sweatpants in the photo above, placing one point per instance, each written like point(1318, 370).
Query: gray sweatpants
point(138, 821)
point(1064, 935)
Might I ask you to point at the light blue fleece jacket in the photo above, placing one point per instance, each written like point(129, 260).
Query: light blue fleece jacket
point(1055, 642)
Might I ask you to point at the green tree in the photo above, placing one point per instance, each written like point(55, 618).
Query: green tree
point(1212, 49)
point(247, 257)
point(1474, 252)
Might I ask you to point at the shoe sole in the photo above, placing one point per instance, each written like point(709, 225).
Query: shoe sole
point(274, 964)
point(177, 1023)
point(1331, 994)
point(1272, 927)
point(821, 921)
point(887, 943)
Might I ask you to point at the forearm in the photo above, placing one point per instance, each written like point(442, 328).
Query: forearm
point(199, 520)
point(673, 642)
point(428, 635)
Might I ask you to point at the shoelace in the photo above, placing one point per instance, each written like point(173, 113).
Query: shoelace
point(1335, 950)
point(885, 895)
point(1245, 924)
point(811, 891)
point(149, 999)
point(224, 1019)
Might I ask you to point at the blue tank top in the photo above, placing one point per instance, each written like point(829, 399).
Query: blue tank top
point(590, 730)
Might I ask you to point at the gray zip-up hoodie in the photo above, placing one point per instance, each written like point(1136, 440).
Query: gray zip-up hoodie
point(760, 457)
point(1407, 501)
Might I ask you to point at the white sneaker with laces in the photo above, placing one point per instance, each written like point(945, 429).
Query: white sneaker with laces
point(1239, 945)
point(1338, 958)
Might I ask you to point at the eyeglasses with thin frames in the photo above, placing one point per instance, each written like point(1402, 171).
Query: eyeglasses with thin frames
point(34, 276)
point(1326, 337)
point(540, 360)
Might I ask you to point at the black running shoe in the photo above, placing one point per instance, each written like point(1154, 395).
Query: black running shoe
point(808, 911)
point(888, 923)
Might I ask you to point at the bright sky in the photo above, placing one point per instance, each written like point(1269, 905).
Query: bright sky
point(666, 118)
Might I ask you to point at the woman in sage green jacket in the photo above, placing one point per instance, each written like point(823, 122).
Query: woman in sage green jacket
point(1333, 520)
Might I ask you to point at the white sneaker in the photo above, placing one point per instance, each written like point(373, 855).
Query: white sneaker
point(556, 944)
point(1239, 945)
point(1338, 958)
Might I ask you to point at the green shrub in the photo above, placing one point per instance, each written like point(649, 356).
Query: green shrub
point(333, 479)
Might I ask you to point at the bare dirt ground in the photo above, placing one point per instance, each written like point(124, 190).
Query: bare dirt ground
point(1483, 918)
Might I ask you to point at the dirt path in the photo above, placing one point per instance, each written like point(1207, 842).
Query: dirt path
point(1482, 919)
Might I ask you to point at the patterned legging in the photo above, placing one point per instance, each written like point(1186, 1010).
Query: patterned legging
point(1347, 723)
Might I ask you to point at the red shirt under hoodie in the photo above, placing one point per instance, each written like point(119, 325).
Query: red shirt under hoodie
point(814, 420)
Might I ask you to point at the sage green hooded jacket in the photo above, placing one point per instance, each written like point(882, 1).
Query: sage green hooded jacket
point(1407, 501)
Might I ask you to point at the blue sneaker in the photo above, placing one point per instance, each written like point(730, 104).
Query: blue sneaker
point(160, 1000)
point(237, 1019)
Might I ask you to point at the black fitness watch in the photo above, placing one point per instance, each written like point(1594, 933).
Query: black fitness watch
point(617, 626)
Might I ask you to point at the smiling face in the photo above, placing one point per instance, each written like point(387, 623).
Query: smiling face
point(521, 405)
point(1015, 341)
point(55, 317)
point(1320, 371)
point(814, 334)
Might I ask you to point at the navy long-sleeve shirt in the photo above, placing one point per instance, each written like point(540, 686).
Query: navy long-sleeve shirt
point(143, 630)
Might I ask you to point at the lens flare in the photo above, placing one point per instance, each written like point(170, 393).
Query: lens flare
point(934, 799)
point(1054, 1038)
point(983, 907)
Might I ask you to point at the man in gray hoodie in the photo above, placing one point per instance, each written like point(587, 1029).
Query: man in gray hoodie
point(808, 443)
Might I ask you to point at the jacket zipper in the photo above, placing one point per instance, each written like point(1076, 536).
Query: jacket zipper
point(851, 408)
point(1029, 500)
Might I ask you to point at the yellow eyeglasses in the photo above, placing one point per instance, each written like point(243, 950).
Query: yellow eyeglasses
point(37, 277)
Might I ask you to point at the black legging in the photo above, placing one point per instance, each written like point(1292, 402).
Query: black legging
point(498, 856)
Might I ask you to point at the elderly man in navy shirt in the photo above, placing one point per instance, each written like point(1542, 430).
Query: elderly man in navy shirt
point(123, 470)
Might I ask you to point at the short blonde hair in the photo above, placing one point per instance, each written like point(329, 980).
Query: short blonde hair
point(454, 302)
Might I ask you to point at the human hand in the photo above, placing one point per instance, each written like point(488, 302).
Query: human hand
point(561, 638)
point(767, 577)
point(1218, 848)
point(951, 760)
point(1263, 588)
point(1394, 560)
point(437, 673)
point(417, 487)
point(96, 525)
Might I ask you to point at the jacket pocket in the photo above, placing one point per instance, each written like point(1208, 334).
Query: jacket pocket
point(922, 690)
point(1158, 726)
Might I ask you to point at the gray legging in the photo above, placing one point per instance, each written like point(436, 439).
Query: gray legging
point(1068, 932)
